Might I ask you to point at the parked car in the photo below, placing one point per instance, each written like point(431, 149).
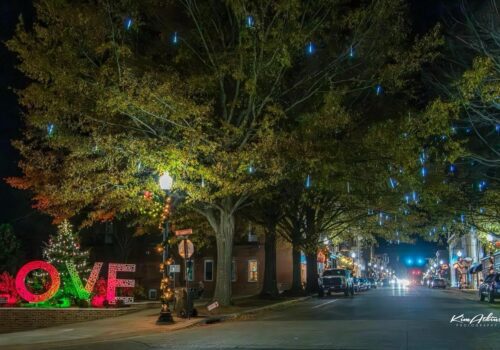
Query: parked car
point(438, 283)
point(372, 282)
point(384, 282)
point(490, 287)
point(337, 281)
point(365, 283)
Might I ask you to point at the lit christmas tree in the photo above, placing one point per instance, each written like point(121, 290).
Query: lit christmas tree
point(62, 248)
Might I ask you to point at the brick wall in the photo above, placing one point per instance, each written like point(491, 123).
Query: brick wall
point(23, 319)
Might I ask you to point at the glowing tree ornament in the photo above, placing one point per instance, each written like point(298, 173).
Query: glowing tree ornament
point(23, 291)
point(378, 89)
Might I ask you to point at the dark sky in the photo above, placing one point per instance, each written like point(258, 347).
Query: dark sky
point(15, 206)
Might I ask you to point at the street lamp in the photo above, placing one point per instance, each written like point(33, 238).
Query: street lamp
point(166, 182)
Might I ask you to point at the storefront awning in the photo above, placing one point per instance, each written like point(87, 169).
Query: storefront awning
point(476, 268)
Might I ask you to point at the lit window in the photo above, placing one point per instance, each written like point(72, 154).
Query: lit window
point(252, 271)
point(209, 270)
point(233, 271)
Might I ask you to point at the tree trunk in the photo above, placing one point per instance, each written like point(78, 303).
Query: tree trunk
point(270, 285)
point(296, 273)
point(312, 273)
point(224, 236)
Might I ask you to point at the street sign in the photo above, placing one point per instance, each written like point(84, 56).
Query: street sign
point(175, 268)
point(186, 248)
point(212, 306)
point(185, 232)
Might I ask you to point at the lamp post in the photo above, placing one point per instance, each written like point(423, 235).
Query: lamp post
point(166, 181)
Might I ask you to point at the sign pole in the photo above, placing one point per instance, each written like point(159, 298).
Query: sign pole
point(187, 277)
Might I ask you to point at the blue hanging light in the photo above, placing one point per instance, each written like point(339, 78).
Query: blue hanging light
point(251, 169)
point(352, 52)
point(310, 48)
point(414, 196)
point(249, 22)
point(50, 129)
point(423, 171)
point(175, 38)
point(482, 185)
point(127, 23)
point(453, 168)
point(393, 183)
point(468, 130)
point(462, 218)
point(308, 182)
point(454, 129)
point(497, 128)
point(378, 90)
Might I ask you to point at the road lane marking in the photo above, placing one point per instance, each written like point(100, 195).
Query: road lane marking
point(320, 305)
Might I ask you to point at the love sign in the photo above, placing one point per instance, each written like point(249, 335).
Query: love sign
point(83, 292)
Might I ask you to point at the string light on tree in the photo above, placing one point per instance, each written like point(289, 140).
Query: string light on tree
point(175, 38)
point(378, 90)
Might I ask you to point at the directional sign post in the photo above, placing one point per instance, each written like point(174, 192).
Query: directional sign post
point(186, 250)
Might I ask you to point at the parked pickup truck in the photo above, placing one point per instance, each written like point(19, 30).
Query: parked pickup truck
point(336, 281)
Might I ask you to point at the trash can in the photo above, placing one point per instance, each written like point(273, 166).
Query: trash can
point(184, 306)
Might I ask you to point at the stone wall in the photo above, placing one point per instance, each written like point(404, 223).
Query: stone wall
point(24, 319)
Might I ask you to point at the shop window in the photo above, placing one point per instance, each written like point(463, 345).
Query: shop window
point(209, 270)
point(252, 271)
point(233, 271)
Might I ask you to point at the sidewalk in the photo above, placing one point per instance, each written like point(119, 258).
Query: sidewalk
point(139, 323)
point(470, 294)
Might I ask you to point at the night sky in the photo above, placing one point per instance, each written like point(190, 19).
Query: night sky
point(15, 207)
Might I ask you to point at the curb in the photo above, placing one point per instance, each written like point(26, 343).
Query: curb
point(215, 319)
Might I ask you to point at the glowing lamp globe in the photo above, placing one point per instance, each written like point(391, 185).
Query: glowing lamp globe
point(459, 253)
point(353, 255)
point(166, 181)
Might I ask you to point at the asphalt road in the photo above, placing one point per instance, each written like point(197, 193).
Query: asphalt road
point(385, 318)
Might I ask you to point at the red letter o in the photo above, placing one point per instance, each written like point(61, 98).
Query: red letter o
point(55, 281)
